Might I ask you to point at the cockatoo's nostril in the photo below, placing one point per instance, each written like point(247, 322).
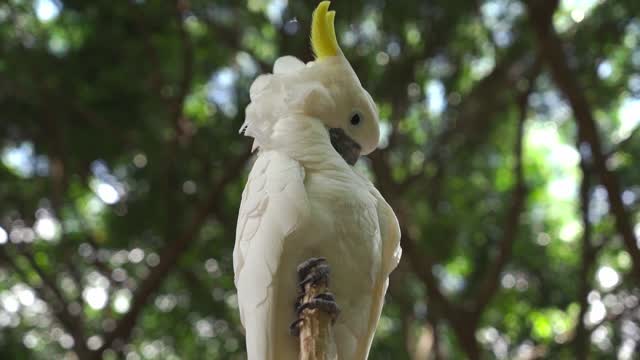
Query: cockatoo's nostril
point(345, 146)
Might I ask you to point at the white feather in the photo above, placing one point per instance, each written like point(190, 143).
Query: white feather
point(287, 64)
point(302, 200)
point(274, 203)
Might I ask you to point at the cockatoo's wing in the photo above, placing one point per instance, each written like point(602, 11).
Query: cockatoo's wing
point(391, 253)
point(274, 204)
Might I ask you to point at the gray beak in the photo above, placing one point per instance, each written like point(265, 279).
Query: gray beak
point(344, 145)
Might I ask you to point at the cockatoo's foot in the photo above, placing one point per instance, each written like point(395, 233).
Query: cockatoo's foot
point(294, 328)
point(314, 271)
point(324, 302)
point(313, 277)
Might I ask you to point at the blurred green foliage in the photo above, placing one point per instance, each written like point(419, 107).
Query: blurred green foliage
point(121, 170)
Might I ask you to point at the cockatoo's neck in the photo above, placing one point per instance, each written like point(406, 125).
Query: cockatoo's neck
point(306, 140)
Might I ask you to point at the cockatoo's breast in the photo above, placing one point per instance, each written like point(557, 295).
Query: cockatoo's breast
point(347, 217)
point(344, 227)
point(311, 206)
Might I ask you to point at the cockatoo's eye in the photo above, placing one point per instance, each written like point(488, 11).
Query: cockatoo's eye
point(356, 118)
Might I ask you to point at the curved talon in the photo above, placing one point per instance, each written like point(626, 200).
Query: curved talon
point(294, 328)
point(319, 275)
point(323, 302)
point(299, 300)
point(326, 297)
point(314, 271)
point(305, 267)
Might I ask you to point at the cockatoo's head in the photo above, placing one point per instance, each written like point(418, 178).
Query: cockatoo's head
point(353, 119)
point(326, 89)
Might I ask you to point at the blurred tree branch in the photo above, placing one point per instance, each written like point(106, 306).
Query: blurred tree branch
point(612, 317)
point(232, 40)
point(462, 124)
point(581, 340)
point(176, 115)
point(489, 285)
point(468, 122)
point(156, 80)
point(186, 79)
point(170, 255)
point(50, 293)
point(624, 142)
point(124, 66)
point(551, 49)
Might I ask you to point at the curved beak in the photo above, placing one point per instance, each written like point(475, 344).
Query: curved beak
point(345, 146)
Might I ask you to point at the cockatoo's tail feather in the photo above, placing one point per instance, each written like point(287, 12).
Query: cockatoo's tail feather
point(323, 32)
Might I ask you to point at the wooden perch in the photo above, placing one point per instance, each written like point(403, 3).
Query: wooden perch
point(319, 311)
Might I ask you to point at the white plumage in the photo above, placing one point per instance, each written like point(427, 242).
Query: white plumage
point(303, 200)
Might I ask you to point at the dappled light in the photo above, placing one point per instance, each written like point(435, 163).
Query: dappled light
point(508, 149)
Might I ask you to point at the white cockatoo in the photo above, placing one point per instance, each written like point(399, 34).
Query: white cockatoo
point(304, 199)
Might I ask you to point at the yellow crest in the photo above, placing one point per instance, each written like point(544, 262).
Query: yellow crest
point(323, 32)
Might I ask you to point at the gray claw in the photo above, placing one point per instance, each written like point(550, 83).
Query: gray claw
point(294, 328)
point(313, 271)
point(318, 275)
point(299, 301)
point(308, 265)
point(325, 302)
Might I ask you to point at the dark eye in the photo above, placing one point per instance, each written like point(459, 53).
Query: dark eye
point(356, 118)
